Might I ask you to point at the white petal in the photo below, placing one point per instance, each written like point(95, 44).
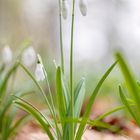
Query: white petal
point(64, 9)
point(83, 7)
point(39, 73)
point(7, 55)
point(29, 56)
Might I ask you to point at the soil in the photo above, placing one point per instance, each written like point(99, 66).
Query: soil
point(31, 131)
point(128, 129)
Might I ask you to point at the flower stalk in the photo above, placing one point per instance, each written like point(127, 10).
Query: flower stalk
point(83, 7)
point(61, 37)
point(64, 9)
point(71, 67)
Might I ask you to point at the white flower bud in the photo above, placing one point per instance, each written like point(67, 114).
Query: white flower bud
point(39, 73)
point(64, 9)
point(83, 7)
point(29, 56)
point(7, 55)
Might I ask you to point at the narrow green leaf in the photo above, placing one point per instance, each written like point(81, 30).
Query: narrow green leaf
point(59, 95)
point(91, 101)
point(66, 91)
point(103, 125)
point(2, 67)
point(93, 122)
point(126, 103)
point(39, 87)
point(8, 104)
point(5, 80)
point(37, 115)
point(51, 98)
point(79, 97)
point(5, 127)
point(18, 124)
point(130, 81)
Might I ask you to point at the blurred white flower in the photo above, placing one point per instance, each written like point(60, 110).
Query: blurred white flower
point(29, 56)
point(64, 9)
point(7, 55)
point(39, 73)
point(83, 7)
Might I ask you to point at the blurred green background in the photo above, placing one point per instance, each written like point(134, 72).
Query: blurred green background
point(109, 25)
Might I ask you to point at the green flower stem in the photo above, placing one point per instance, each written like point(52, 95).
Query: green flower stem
point(39, 87)
point(71, 68)
point(61, 38)
point(43, 93)
point(50, 93)
point(52, 103)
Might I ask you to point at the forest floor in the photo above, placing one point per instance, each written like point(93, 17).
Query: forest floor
point(128, 129)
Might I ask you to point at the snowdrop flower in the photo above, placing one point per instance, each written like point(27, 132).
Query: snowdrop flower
point(83, 7)
point(7, 55)
point(39, 73)
point(29, 56)
point(64, 9)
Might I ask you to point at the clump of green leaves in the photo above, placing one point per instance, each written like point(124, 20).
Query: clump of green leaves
point(58, 125)
point(65, 122)
point(8, 112)
point(132, 103)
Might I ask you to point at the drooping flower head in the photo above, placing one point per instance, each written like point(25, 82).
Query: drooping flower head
point(39, 73)
point(7, 55)
point(29, 56)
point(64, 8)
point(83, 7)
